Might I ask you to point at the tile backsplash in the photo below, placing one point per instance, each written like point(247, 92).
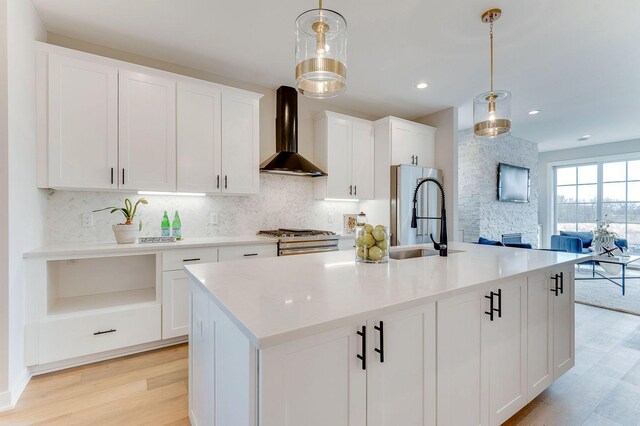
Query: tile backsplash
point(284, 201)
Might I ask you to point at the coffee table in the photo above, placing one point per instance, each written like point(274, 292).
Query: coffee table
point(623, 261)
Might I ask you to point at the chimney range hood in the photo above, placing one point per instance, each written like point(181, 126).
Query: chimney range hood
point(286, 160)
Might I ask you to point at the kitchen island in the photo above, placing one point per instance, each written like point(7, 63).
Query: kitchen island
point(320, 340)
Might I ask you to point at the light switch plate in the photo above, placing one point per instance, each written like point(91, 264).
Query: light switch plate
point(87, 220)
point(331, 218)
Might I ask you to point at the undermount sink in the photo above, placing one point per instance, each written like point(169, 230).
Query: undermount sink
point(413, 253)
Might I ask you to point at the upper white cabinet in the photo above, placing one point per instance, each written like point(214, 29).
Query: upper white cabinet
point(83, 123)
point(344, 148)
point(405, 142)
point(240, 144)
point(147, 149)
point(199, 137)
point(106, 124)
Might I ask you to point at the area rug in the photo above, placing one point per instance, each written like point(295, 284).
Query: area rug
point(603, 294)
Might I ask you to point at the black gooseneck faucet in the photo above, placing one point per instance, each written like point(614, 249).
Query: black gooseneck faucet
point(442, 245)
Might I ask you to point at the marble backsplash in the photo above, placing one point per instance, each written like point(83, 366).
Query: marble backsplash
point(284, 201)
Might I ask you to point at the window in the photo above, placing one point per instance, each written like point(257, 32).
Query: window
point(587, 193)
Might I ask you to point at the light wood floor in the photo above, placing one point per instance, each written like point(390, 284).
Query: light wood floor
point(143, 389)
point(603, 388)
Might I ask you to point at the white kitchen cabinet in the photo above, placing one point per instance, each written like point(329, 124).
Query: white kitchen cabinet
point(564, 356)
point(82, 123)
point(201, 372)
point(411, 143)
point(147, 149)
point(401, 369)
point(462, 371)
point(240, 143)
point(175, 304)
point(482, 362)
point(506, 337)
point(540, 336)
point(247, 252)
point(199, 137)
point(316, 381)
point(343, 147)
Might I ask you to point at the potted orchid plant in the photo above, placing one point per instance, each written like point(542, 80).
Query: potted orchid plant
point(127, 232)
point(603, 237)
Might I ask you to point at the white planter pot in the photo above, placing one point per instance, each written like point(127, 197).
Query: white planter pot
point(125, 234)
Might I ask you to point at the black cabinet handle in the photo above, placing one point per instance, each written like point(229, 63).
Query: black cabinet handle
point(413, 160)
point(225, 181)
point(561, 282)
point(250, 254)
point(194, 259)
point(555, 288)
point(355, 189)
point(217, 181)
point(416, 160)
point(112, 176)
point(380, 350)
point(123, 176)
point(492, 308)
point(97, 333)
point(350, 189)
point(363, 357)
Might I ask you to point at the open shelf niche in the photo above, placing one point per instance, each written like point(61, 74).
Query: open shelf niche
point(76, 285)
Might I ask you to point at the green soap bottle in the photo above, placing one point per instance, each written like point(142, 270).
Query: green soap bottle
point(165, 226)
point(176, 225)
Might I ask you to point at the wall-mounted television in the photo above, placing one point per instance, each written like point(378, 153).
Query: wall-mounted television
point(513, 183)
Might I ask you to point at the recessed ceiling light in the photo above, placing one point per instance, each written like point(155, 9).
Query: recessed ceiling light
point(534, 112)
point(422, 85)
point(584, 137)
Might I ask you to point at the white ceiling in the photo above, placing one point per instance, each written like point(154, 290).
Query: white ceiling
point(576, 60)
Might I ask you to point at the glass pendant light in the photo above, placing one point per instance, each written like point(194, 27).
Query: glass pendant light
point(321, 53)
point(492, 109)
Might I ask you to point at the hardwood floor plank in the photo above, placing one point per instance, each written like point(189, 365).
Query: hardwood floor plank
point(168, 378)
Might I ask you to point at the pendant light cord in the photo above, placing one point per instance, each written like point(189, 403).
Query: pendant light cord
point(491, 42)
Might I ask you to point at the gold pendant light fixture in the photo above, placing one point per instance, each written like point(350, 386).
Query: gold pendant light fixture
point(492, 109)
point(321, 53)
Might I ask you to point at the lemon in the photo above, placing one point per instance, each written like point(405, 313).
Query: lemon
point(361, 252)
point(359, 242)
point(379, 234)
point(368, 228)
point(368, 240)
point(382, 244)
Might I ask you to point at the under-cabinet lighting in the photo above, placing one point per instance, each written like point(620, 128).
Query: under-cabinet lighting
point(534, 112)
point(343, 199)
point(192, 194)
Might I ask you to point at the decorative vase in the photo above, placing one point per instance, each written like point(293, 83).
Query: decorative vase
point(602, 242)
point(125, 234)
point(372, 244)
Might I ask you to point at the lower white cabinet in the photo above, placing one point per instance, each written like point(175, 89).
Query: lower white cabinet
point(71, 337)
point(175, 304)
point(379, 373)
point(564, 342)
point(247, 252)
point(482, 354)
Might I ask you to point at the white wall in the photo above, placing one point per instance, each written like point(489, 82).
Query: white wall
point(27, 212)
point(545, 213)
point(446, 121)
point(5, 396)
point(480, 213)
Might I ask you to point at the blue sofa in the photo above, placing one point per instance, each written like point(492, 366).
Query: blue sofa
point(578, 242)
point(487, 242)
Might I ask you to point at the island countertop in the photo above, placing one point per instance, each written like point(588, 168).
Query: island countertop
point(274, 300)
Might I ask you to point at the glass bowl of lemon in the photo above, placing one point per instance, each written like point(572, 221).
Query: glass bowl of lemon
point(372, 244)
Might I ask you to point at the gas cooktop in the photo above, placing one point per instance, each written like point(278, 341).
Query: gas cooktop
point(283, 232)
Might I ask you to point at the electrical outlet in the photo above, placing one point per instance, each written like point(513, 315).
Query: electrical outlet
point(331, 218)
point(87, 220)
point(213, 218)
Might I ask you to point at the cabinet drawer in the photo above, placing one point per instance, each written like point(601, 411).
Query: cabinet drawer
point(173, 260)
point(73, 337)
point(247, 252)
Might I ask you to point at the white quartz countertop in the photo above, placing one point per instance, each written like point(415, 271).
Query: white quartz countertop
point(273, 300)
point(113, 248)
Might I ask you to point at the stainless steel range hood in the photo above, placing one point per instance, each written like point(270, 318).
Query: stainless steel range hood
point(286, 160)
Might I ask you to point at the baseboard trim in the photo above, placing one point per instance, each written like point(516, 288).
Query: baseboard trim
point(8, 399)
point(102, 356)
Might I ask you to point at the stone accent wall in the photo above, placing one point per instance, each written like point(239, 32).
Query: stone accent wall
point(479, 211)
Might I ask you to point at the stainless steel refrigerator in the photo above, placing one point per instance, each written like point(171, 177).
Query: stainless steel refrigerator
point(404, 180)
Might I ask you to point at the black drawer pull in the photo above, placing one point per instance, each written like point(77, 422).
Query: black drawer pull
point(250, 254)
point(555, 288)
point(191, 260)
point(97, 333)
point(217, 181)
point(123, 176)
point(492, 309)
point(225, 181)
point(112, 176)
point(561, 282)
point(363, 357)
point(380, 350)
